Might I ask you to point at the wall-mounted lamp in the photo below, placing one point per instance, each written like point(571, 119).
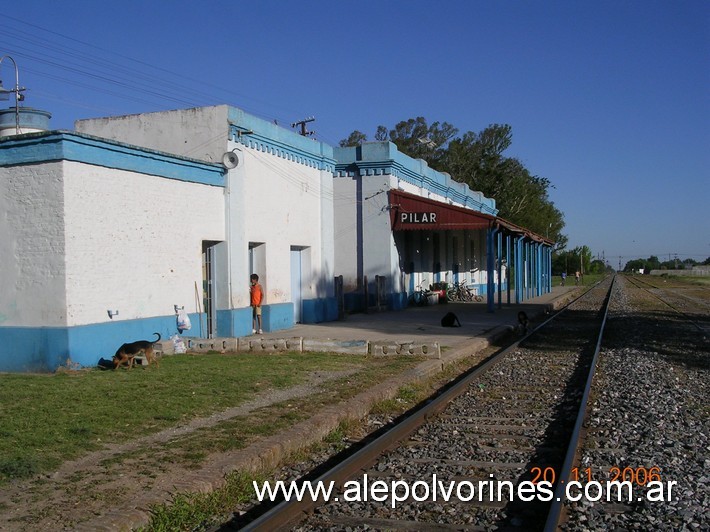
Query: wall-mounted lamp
point(112, 313)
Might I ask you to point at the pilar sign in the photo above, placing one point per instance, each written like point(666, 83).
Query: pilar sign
point(417, 217)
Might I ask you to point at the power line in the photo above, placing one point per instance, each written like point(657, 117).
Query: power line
point(56, 53)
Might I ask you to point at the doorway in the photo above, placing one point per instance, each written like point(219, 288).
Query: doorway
point(296, 282)
point(208, 289)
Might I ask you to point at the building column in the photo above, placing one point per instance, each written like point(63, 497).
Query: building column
point(490, 267)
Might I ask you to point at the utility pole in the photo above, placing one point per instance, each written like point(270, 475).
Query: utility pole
point(302, 124)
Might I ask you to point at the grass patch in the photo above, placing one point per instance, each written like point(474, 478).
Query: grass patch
point(238, 432)
point(196, 511)
point(407, 396)
point(188, 512)
point(341, 432)
point(693, 280)
point(47, 419)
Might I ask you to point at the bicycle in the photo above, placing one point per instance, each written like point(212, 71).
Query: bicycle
point(419, 297)
point(461, 292)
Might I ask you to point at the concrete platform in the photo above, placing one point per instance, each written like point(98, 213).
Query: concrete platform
point(422, 325)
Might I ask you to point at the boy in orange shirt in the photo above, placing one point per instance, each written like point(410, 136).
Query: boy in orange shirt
point(257, 297)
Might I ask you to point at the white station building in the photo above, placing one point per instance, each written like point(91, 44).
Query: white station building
point(107, 232)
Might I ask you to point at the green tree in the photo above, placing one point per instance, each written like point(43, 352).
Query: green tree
point(478, 160)
point(634, 265)
point(419, 140)
point(356, 138)
point(651, 263)
point(382, 133)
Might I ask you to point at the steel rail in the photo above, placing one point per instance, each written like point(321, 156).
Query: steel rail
point(287, 513)
point(638, 284)
point(558, 501)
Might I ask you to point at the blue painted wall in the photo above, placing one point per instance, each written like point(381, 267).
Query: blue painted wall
point(319, 310)
point(47, 348)
point(398, 301)
point(238, 322)
point(277, 317)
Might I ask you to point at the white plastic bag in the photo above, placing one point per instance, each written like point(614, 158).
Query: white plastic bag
point(178, 345)
point(183, 321)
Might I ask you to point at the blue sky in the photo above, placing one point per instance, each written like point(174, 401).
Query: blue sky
point(608, 99)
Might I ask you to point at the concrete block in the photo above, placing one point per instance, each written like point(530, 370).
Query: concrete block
point(385, 348)
point(356, 347)
point(273, 345)
point(229, 345)
point(165, 347)
point(429, 350)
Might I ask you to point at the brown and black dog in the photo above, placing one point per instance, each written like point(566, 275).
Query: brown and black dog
point(127, 353)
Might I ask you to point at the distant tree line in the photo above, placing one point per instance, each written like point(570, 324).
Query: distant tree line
point(478, 160)
point(577, 259)
point(653, 263)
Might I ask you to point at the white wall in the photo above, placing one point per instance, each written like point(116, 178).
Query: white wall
point(32, 246)
point(200, 133)
point(270, 199)
point(281, 205)
point(380, 255)
point(345, 207)
point(134, 242)
point(325, 287)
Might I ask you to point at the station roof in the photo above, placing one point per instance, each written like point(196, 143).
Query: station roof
point(409, 212)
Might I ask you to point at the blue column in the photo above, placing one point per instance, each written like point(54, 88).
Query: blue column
point(520, 287)
point(499, 254)
point(490, 266)
point(508, 263)
point(538, 271)
point(528, 271)
point(533, 253)
point(523, 269)
point(518, 270)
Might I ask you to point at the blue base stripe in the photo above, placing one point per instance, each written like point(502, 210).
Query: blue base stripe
point(40, 349)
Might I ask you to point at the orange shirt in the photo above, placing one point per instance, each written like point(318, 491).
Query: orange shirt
point(257, 295)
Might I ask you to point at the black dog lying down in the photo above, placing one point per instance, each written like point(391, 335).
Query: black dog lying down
point(450, 320)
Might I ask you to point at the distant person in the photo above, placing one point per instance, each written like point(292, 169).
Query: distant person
point(564, 276)
point(576, 277)
point(256, 294)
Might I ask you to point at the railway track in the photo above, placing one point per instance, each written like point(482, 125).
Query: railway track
point(649, 418)
point(514, 421)
point(690, 301)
